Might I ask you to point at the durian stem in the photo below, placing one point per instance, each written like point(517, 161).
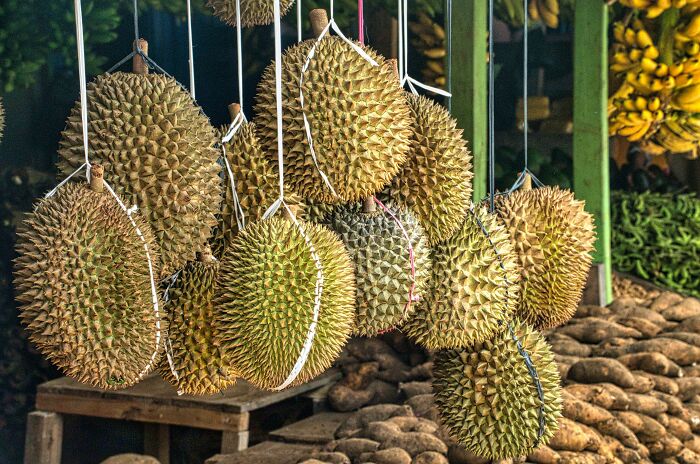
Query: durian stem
point(291, 209)
point(369, 205)
point(205, 256)
point(97, 173)
point(393, 63)
point(233, 110)
point(527, 183)
point(139, 64)
point(319, 20)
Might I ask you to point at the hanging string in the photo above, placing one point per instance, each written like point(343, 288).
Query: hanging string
point(361, 21)
point(492, 148)
point(128, 211)
point(190, 48)
point(406, 79)
point(299, 23)
point(525, 79)
point(448, 26)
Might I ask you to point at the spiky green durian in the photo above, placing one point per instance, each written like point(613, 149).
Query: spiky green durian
point(266, 295)
point(553, 237)
point(198, 360)
point(487, 398)
point(253, 12)
point(158, 151)
point(82, 280)
point(380, 251)
point(436, 181)
point(474, 286)
point(358, 115)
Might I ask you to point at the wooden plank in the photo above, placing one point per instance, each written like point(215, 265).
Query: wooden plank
point(44, 438)
point(317, 429)
point(156, 441)
point(266, 453)
point(593, 292)
point(591, 168)
point(232, 442)
point(469, 80)
point(142, 411)
point(241, 397)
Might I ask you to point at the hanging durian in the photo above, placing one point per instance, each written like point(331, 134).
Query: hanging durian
point(359, 119)
point(266, 296)
point(253, 12)
point(198, 360)
point(83, 283)
point(436, 181)
point(158, 150)
point(487, 398)
point(2, 119)
point(474, 286)
point(553, 237)
point(381, 254)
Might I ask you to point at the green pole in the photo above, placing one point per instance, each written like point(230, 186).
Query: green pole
point(469, 82)
point(591, 168)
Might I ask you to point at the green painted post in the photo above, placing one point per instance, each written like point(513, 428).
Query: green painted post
point(591, 168)
point(469, 83)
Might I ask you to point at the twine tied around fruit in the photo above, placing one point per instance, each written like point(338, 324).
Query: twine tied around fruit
point(95, 176)
point(318, 287)
point(406, 79)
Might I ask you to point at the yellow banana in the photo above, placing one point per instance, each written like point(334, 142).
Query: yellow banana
point(435, 53)
point(643, 39)
point(651, 52)
point(688, 95)
point(653, 104)
point(693, 27)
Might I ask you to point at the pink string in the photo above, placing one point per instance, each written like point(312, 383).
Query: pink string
point(361, 22)
point(411, 257)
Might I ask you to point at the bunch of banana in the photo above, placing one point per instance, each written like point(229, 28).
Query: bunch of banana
point(632, 45)
point(679, 133)
point(510, 11)
point(637, 116)
point(546, 11)
point(654, 8)
point(429, 41)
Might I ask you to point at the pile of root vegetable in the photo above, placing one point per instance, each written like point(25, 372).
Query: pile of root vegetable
point(631, 391)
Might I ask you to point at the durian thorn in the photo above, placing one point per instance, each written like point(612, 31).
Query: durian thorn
point(527, 182)
point(369, 205)
point(206, 255)
point(97, 178)
point(139, 65)
point(319, 20)
point(393, 63)
point(233, 110)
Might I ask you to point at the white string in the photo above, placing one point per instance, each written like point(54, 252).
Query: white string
point(129, 211)
point(299, 25)
point(191, 48)
point(239, 52)
point(318, 288)
point(236, 124)
point(403, 56)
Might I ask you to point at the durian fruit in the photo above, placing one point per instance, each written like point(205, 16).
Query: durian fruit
point(2, 119)
point(473, 289)
point(436, 181)
point(253, 12)
point(158, 149)
point(487, 398)
point(265, 298)
point(198, 360)
point(358, 116)
point(83, 283)
point(381, 254)
point(553, 237)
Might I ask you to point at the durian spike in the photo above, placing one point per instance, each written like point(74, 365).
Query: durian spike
point(233, 110)
point(393, 63)
point(139, 64)
point(291, 211)
point(527, 182)
point(97, 178)
point(369, 205)
point(206, 255)
point(319, 20)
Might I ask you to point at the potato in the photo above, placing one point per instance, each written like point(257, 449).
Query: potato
point(677, 351)
point(605, 395)
point(583, 412)
point(689, 307)
point(572, 436)
point(595, 330)
point(647, 328)
point(665, 300)
point(618, 430)
point(646, 404)
point(661, 383)
point(543, 455)
point(647, 429)
point(689, 387)
point(679, 429)
point(653, 363)
point(596, 370)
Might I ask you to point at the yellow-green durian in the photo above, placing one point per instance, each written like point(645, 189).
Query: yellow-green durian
point(487, 398)
point(266, 295)
point(253, 12)
point(358, 116)
point(200, 363)
point(158, 152)
point(381, 253)
point(82, 280)
point(553, 237)
point(436, 181)
point(473, 289)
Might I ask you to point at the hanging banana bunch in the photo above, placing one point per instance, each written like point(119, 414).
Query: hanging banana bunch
point(429, 41)
point(546, 12)
point(658, 61)
point(655, 8)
